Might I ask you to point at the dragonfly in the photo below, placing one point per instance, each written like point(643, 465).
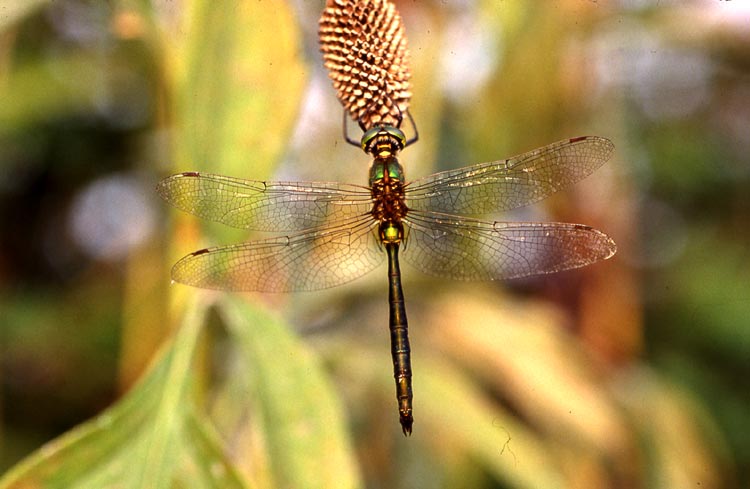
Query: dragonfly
point(337, 232)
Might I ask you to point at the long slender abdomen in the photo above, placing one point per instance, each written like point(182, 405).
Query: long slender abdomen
point(400, 350)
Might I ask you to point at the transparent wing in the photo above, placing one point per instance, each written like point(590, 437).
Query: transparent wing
point(312, 260)
point(507, 184)
point(264, 206)
point(467, 249)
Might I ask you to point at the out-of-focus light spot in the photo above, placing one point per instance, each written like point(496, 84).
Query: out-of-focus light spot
point(733, 13)
point(317, 109)
point(318, 131)
point(111, 216)
point(83, 22)
point(128, 25)
point(665, 82)
point(469, 57)
point(671, 83)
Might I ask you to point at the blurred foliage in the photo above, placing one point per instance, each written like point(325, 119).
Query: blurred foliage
point(629, 373)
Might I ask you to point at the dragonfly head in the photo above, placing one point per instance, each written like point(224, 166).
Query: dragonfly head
point(383, 141)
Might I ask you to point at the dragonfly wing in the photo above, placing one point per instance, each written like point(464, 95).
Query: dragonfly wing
point(312, 260)
point(507, 184)
point(466, 249)
point(264, 206)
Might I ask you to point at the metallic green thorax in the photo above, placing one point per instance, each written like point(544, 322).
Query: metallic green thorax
point(387, 182)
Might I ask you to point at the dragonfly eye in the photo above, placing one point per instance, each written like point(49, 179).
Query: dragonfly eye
point(383, 138)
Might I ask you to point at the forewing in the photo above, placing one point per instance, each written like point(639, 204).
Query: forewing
point(507, 184)
point(264, 206)
point(312, 260)
point(467, 249)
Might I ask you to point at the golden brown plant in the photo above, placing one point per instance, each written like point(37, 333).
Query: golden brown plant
point(364, 48)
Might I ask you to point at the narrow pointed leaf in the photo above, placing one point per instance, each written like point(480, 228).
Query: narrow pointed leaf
point(303, 419)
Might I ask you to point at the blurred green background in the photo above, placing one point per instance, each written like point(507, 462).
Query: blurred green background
point(629, 373)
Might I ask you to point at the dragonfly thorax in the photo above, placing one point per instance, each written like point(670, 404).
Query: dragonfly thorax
point(388, 198)
point(386, 169)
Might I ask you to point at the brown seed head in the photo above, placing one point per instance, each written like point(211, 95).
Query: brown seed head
point(364, 48)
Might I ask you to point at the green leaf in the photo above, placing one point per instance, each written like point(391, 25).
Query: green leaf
point(144, 440)
point(169, 415)
point(303, 419)
point(240, 86)
point(206, 465)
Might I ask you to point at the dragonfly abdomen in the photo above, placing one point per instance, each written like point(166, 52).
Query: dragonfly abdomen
point(400, 350)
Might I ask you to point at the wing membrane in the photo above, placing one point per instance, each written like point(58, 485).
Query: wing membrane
point(264, 206)
point(468, 249)
point(507, 184)
point(316, 259)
